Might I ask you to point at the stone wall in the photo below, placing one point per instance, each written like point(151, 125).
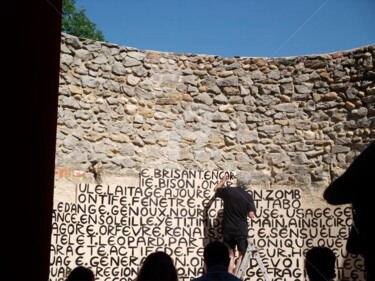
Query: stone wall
point(292, 122)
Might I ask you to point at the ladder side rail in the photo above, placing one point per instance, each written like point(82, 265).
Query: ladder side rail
point(262, 267)
point(246, 259)
point(245, 262)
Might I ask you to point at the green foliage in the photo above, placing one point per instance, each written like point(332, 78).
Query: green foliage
point(75, 22)
point(287, 62)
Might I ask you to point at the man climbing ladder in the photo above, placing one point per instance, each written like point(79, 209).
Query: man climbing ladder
point(251, 252)
point(238, 207)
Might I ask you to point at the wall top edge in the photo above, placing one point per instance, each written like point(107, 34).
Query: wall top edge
point(128, 48)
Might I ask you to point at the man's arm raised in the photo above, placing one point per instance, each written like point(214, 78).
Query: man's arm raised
point(221, 183)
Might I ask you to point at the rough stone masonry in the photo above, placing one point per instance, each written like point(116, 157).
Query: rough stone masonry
point(292, 122)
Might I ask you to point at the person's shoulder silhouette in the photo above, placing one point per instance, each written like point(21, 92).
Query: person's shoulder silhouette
point(320, 264)
point(81, 273)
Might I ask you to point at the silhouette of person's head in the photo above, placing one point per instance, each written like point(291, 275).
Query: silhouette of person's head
point(157, 266)
point(216, 253)
point(320, 264)
point(354, 187)
point(81, 273)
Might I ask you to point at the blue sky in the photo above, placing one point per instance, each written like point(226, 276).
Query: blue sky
point(227, 28)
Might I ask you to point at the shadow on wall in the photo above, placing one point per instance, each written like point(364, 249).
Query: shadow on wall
point(212, 228)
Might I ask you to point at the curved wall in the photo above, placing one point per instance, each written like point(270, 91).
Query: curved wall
point(289, 121)
point(128, 118)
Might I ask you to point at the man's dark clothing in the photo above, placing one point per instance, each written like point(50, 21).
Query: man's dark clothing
point(233, 240)
point(237, 204)
point(217, 273)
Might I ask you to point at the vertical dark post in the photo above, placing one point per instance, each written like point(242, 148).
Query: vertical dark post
point(40, 43)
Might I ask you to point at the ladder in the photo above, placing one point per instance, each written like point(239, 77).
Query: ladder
point(251, 251)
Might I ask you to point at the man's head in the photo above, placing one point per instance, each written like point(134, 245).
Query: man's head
point(243, 179)
point(320, 264)
point(81, 273)
point(216, 253)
